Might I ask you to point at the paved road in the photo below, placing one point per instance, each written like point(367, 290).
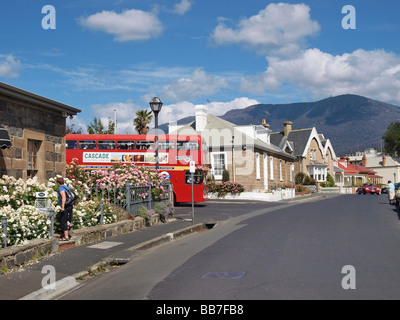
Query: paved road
point(279, 252)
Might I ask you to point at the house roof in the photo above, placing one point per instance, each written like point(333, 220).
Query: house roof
point(225, 132)
point(352, 169)
point(376, 162)
point(314, 163)
point(17, 93)
point(298, 139)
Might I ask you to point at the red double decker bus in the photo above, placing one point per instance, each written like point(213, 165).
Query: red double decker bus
point(100, 152)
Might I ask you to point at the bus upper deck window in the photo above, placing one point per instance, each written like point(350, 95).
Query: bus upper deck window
point(166, 145)
point(71, 144)
point(187, 145)
point(145, 145)
point(125, 145)
point(87, 145)
point(106, 145)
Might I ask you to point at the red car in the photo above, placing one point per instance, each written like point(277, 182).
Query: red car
point(368, 188)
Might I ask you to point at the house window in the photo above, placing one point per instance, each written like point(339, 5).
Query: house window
point(313, 154)
point(280, 171)
point(265, 164)
point(33, 149)
point(271, 166)
point(218, 163)
point(258, 170)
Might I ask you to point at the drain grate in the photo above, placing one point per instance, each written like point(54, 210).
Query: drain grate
point(224, 275)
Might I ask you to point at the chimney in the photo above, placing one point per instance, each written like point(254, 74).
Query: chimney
point(287, 127)
point(383, 160)
point(364, 160)
point(265, 124)
point(201, 117)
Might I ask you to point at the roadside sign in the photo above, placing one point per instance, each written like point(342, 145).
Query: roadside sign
point(165, 175)
point(192, 167)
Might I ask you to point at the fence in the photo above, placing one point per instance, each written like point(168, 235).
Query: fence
point(339, 190)
point(129, 197)
point(5, 227)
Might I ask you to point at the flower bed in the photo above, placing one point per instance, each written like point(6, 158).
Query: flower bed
point(17, 199)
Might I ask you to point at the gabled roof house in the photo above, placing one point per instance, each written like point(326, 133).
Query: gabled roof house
point(314, 153)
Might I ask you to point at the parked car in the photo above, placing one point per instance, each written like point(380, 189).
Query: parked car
point(384, 190)
point(397, 194)
point(368, 188)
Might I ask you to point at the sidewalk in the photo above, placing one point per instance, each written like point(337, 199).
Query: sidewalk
point(74, 262)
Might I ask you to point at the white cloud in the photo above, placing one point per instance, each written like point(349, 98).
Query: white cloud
point(125, 113)
point(182, 7)
point(374, 74)
point(174, 112)
point(9, 67)
point(130, 25)
point(280, 29)
point(199, 84)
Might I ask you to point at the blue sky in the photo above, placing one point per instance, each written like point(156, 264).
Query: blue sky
point(118, 54)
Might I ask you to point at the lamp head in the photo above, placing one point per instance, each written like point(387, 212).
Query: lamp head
point(156, 105)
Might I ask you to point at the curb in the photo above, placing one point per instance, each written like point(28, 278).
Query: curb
point(67, 283)
point(60, 286)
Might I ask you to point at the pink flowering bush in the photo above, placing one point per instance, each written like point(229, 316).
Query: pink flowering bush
point(223, 188)
point(113, 180)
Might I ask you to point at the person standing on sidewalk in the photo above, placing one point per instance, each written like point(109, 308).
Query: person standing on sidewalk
point(65, 214)
point(391, 191)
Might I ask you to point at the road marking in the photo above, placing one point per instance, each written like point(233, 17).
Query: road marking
point(224, 275)
point(105, 245)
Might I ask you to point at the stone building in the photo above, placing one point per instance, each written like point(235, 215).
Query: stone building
point(244, 151)
point(36, 127)
point(314, 153)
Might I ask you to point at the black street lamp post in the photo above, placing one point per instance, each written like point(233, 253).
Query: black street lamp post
point(156, 105)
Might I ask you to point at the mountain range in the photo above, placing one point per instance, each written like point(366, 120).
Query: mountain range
point(351, 122)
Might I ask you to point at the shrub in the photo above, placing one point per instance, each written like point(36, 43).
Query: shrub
point(223, 188)
point(24, 224)
point(225, 175)
point(165, 210)
point(299, 179)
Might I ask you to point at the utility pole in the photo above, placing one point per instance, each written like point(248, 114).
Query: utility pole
point(115, 121)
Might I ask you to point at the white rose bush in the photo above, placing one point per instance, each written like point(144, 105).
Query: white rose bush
point(25, 222)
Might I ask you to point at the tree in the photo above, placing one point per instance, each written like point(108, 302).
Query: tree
point(72, 129)
point(392, 139)
point(97, 127)
point(143, 118)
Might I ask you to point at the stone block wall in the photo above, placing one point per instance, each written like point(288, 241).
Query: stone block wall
point(26, 122)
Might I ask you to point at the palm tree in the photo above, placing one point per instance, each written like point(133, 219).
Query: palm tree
point(143, 118)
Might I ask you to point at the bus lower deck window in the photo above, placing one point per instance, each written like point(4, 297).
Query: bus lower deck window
point(198, 177)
